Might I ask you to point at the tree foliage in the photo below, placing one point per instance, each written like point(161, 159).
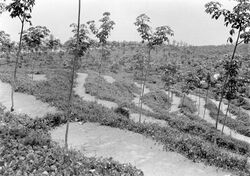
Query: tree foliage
point(21, 9)
point(52, 43)
point(34, 37)
point(103, 31)
point(4, 40)
point(238, 19)
point(159, 36)
point(232, 70)
point(2, 7)
point(84, 40)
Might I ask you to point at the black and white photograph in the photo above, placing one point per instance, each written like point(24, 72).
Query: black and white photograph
point(124, 87)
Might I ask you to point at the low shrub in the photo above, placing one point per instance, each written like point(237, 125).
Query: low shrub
point(157, 100)
point(123, 111)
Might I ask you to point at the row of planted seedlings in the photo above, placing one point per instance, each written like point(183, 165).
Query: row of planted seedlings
point(54, 90)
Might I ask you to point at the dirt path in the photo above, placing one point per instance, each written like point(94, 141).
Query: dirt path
point(128, 147)
point(223, 108)
point(175, 103)
point(209, 119)
point(109, 79)
point(23, 103)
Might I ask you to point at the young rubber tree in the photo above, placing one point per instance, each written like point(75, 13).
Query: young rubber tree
point(77, 47)
point(138, 64)
point(238, 19)
point(197, 86)
point(34, 37)
point(231, 71)
point(21, 9)
point(198, 76)
point(188, 84)
point(152, 39)
point(169, 77)
point(102, 33)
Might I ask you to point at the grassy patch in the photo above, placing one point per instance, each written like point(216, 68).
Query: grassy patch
point(119, 91)
point(157, 100)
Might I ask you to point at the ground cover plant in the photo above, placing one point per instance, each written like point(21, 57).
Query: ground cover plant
point(27, 149)
point(172, 138)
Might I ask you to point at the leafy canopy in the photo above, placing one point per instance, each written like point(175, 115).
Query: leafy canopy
point(52, 42)
point(5, 43)
point(159, 36)
point(34, 36)
point(2, 7)
point(238, 18)
point(232, 70)
point(84, 40)
point(4, 38)
point(21, 9)
point(104, 30)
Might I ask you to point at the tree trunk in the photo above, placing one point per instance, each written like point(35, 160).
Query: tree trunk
point(218, 111)
point(239, 111)
point(199, 104)
point(222, 94)
point(8, 56)
point(142, 75)
point(172, 96)
point(99, 74)
point(13, 85)
point(32, 68)
point(225, 117)
point(205, 103)
point(144, 82)
point(183, 98)
point(72, 78)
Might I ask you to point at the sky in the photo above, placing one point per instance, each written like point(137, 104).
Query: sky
point(187, 18)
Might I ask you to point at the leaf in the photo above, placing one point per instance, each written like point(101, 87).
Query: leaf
point(230, 40)
point(232, 32)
